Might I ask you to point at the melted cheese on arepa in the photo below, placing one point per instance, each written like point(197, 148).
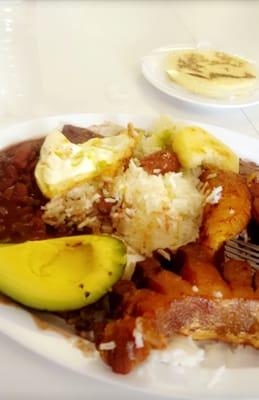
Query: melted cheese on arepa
point(211, 73)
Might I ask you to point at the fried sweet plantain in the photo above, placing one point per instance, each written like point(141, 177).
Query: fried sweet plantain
point(227, 216)
point(239, 275)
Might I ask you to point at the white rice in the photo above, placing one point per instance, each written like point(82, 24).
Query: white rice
point(182, 352)
point(107, 346)
point(215, 195)
point(132, 259)
point(138, 335)
point(156, 211)
point(76, 207)
point(149, 212)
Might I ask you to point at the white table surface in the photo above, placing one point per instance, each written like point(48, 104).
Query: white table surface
point(83, 56)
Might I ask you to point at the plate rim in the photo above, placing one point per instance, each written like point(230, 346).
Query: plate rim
point(184, 95)
point(14, 128)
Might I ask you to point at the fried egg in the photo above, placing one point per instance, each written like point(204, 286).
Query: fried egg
point(63, 164)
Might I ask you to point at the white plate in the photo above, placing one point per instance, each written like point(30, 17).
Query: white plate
point(238, 380)
point(153, 70)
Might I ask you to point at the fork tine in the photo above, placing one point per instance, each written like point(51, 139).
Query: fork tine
point(243, 248)
point(246, 244)
point(240, 250)
point(229, 256)
point(241, 255)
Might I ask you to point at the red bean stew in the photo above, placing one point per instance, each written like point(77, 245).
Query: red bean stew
point(20, 198)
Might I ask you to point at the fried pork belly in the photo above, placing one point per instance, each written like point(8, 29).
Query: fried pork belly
point(228, 213)
point(203, 301)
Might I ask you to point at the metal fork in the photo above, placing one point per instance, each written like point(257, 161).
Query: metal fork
point(239, 249)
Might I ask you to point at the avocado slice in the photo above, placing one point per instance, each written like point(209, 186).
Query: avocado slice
point(61, 274)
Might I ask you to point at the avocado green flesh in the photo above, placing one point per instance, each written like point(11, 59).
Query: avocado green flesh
point(61, 274)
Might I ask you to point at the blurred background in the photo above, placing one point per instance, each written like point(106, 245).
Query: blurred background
point(84, 56)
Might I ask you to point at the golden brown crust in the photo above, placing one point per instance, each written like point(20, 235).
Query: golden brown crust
point(204, 302)
point(227, 218)
point(229, 320)
point(239, 275)
point(200, 271)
